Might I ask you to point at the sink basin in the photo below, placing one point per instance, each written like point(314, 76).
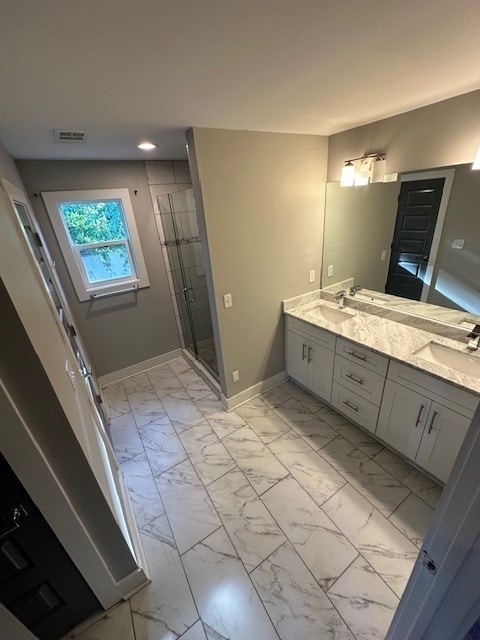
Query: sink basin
point(334, 316)
point(460, 361)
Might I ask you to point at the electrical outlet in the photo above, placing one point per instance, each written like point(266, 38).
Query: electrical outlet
point(311, 276)
point(235, 375)
point(458, 244)
point(227, 300)
point(384, 255)
point(330, 271)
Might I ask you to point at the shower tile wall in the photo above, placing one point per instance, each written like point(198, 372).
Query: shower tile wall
point(165, 178)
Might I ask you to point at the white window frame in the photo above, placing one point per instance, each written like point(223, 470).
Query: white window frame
point(86, 290)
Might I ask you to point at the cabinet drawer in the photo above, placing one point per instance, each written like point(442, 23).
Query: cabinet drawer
point(363, 381)
point(439, 391)
point(367, 358)
point(325, 338)
point(359, 410)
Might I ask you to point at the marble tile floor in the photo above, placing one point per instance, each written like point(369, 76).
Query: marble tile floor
point(279, 520)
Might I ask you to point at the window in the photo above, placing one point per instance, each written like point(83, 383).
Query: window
point(99, 240)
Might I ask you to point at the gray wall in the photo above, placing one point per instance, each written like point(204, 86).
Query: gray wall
point(456, 277)
point(122, 330)
point(8, 168)
point(439, 135)
point(359, 224)
point(263, 204)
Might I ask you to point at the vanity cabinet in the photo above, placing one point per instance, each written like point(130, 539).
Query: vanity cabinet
point(424, 419)
point(421, 417)
point(403, 416)
point(309, 360)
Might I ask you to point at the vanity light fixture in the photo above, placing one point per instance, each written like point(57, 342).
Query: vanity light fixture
point(476, 162)
point(349, 175)
point(147, 146)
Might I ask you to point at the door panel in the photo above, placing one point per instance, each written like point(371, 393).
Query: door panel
point(402, 419)
point(39, 583)
point(442, 440)
point(417, 213)
point(297, 364)
point(320, 370)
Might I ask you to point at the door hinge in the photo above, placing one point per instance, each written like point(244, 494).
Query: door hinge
point(37, 239)
point(99, 398)
point(428, 563)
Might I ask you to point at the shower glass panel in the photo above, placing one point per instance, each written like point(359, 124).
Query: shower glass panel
point(184, 252)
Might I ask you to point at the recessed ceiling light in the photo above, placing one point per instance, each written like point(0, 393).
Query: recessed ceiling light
point(147, 146)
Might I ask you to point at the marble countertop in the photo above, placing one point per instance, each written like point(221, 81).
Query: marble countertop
point(389, 338)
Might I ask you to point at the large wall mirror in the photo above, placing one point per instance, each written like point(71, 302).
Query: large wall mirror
point(413, 244)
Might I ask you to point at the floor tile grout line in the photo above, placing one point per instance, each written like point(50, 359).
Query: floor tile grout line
point(131, 618)
point(259, 496)
point(347, 481)
point(333, 604)
point(413, 469)
point(383, 579)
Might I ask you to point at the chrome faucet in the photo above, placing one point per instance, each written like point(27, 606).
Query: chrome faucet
point(474, 336)
point(340, 297)
point(353, 290)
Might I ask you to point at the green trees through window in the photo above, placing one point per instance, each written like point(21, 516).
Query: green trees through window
point(89, 222)
point(99, 223)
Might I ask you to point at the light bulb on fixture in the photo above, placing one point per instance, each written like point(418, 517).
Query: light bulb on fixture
point(476, 162)
point(347, 178)
point(379, 166)
point(147, 146)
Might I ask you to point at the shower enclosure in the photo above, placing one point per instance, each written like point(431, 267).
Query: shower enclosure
point(183, 253)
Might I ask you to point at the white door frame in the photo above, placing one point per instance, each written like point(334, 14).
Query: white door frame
point(444, 605)
point(448, 174)
point(18, 443)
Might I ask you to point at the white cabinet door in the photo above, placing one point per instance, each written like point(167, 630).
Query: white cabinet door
point(297, 360)
point(441, 441)
point(320, 370)
point(403, 416)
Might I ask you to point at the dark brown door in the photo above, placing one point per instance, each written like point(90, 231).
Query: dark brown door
point(39, 583)
point(417, 213)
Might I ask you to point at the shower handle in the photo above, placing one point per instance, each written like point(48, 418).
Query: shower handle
point(189, 294)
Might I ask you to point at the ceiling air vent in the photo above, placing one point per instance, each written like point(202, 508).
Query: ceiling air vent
point(60, 135)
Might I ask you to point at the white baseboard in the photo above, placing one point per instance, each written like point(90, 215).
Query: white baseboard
point(140, 367)
point(251, 392)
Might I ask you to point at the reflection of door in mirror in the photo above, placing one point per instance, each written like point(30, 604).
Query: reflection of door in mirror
point(417, 213)
point(360, 224)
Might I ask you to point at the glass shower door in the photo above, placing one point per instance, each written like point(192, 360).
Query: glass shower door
point(184, 249)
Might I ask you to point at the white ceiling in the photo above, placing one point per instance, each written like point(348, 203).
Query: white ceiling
point(128, 70)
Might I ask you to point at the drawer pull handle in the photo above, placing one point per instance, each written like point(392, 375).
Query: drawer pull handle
point(357, 355)
point(354, 378)
point(350, 406)
point(304, 355)
point(309, 354)
point(419, 417)
point(432, 421)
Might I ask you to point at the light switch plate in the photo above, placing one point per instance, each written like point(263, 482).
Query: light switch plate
point(384, 255)
point(311, 276)
point(330, 271)
point(458, 244)
point(235, 375)
point(227, 300)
